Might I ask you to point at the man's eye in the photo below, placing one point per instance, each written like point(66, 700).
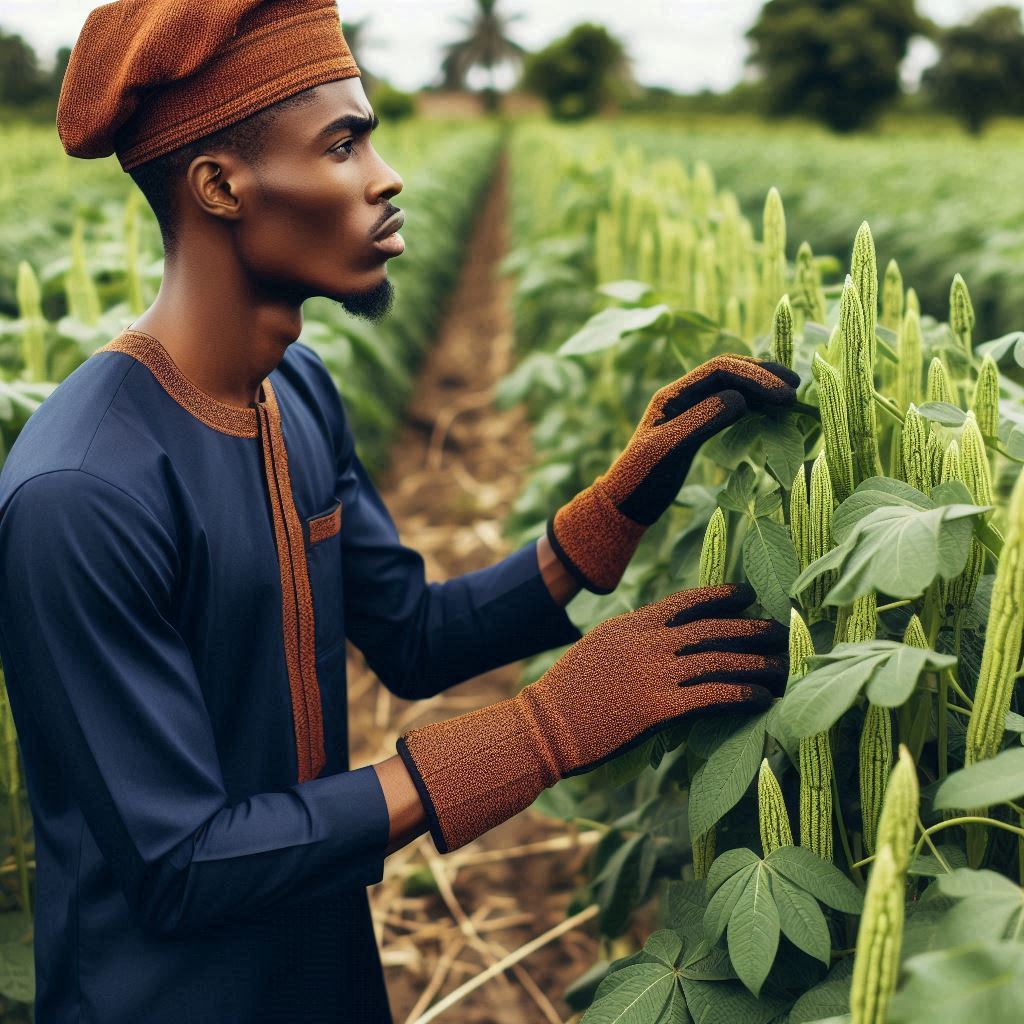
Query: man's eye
point(340, 147)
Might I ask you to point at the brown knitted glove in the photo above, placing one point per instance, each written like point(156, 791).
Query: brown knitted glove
point(597, 532)
point(628, 678)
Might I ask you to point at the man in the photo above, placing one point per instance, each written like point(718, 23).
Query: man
point(188, 538)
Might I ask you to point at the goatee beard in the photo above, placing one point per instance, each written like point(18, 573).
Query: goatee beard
point(372, 305)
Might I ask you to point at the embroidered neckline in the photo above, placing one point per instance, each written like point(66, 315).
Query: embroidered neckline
point(228, 419)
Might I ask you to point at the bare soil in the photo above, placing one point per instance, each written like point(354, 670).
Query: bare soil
point(455, 468)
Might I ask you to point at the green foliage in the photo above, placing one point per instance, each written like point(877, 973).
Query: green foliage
point(832, 60)
point(980, 70)
point(579, 73)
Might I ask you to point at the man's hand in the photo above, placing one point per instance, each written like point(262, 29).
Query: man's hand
point(597, 532)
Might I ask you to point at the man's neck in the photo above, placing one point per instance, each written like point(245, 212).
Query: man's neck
point(224, 340)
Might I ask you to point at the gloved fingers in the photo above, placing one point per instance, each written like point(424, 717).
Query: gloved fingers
point(768, 670)
point(765, 636)
point(664, 457)
point(722, 601)
point(763, 382)
point(719, 695)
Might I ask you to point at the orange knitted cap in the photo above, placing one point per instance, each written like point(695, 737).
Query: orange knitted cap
point(148, 76)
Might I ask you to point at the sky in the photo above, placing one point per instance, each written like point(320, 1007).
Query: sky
point(686, 45)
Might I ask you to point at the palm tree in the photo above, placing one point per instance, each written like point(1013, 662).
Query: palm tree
point(486, 45)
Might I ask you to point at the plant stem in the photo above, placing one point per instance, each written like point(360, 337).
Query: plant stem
point(895, 604)
point(967, 819)
point(888, 406)
point(843, 837)
point(934, 848)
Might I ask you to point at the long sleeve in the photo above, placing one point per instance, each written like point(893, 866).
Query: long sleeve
point(420, 638)
point(102, 683)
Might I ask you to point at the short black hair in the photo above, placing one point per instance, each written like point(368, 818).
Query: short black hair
point(157, 179)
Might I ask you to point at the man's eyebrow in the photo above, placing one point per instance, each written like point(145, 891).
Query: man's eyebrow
point(357, 123)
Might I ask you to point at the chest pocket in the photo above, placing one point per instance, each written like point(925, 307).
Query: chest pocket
point(322, 534)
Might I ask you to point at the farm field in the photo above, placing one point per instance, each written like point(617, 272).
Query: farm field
point(860, 844)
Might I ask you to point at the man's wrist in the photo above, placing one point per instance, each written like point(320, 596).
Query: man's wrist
point(405, 809)
point(561, 583)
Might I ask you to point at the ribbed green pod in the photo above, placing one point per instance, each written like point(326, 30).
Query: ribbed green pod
point(834, 351)
point(961, 313)
point(862, 624)
point(913, 302)
point(771, 811)
point(712, 552)
point(914, 467)
point(773, 259)
point(908, 370)
point(30, 310)
point(876, 962)
point(819, 534)
point(801, 647)
point(858, 385)
point(799, 518)
point(933, 456)
point(914, 634)
point(79, 287)
point(959, 591)
point(974, 462)
point(782, 333)
point(816, 794)
point(834, 426)
point(892, 297)
point(808, 298)
point(898, 822)
point(875, 759)
point(708, 295)
point(939, 387)
point(1000, 659)
point(985, 404)
point(864, 271)
point(703, 853)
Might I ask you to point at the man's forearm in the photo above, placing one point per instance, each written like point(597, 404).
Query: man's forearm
point(408, 818)
point(559, 581)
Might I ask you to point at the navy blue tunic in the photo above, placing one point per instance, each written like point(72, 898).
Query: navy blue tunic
point(178, 578)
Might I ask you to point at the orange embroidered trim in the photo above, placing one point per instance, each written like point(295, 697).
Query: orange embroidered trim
point(296, 596)
point(229, 419)
point(325, 526)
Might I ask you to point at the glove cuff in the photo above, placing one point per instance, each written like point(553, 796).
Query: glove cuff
point(477, 770)
point(593, 539)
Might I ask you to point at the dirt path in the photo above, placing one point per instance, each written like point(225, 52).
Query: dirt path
point(455, 470)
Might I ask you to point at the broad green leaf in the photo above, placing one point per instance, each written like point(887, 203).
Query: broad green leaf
point(707, 964)
point(965, 882)
point(728, 864)
point(738, 493)
point(683, 908)
point(724, 777)
point(980, 918)
point(801, 919)
point(822, 880)
point(1005, 350)
point(929, 866)
point(608, 327)
point(783, 442)
point(874, 493)
point(665, 946)
point(728, 1003)
point(675, 1011)
point(981, 982)
point(639, 997)
point(986, 782)
point(754, 930)
point(723, 903)
point(625, 291)
point(625, 878)
point(942, 412)
point(770, 564)
point(899, 551)
point(818, 699)
point(581, 992)
point(829, 999)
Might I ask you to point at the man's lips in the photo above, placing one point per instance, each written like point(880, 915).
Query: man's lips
point(390, 226)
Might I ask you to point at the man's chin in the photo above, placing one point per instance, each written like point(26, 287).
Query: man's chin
point(373, 305)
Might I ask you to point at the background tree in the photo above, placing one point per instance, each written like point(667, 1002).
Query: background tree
point(980, 70)
point(579, 73)
point(21, 80)
point(487, 45)
point(837, 61)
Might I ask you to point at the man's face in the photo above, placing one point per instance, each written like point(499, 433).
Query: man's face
point(312, 208)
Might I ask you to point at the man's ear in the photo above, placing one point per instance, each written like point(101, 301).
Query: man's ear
point(217, 185)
